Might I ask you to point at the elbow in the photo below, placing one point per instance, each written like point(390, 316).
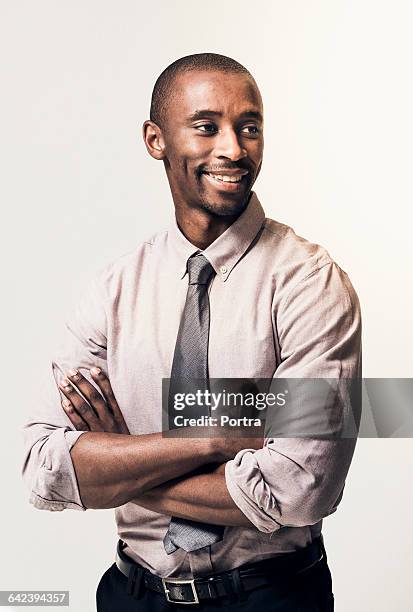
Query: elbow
point(304, 519)
point(48, 474)
point(309, 510)
point(299, 498)
point(298, 513)
point(45, 492)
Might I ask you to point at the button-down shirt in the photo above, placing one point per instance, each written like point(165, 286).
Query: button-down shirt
point(279, 307)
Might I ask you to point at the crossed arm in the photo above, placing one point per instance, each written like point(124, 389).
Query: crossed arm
point(287, 482)
point(114, 467)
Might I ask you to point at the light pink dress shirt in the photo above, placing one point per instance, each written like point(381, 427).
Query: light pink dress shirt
point(280, 307)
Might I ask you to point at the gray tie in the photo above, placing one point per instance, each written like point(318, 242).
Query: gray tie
point(190, 373)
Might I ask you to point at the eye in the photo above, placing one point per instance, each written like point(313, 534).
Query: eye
point(210, 128)
point(253, 130)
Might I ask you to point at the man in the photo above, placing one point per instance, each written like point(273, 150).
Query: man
point(224, 293)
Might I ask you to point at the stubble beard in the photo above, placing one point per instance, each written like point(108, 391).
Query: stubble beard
point(224, 209)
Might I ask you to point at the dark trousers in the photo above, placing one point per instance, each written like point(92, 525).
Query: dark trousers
point(310, 591)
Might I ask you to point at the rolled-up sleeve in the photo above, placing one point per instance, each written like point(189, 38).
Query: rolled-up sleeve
point(297, 481)
point(48, 472)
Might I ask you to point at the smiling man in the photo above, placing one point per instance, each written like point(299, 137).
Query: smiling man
point(209, 174)
point(224, 293)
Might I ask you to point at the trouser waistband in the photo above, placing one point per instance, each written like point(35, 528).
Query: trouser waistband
point(234, 583)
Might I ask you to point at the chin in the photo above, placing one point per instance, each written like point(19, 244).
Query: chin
point(226, 209)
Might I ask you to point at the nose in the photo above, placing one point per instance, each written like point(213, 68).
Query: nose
point(228, 145)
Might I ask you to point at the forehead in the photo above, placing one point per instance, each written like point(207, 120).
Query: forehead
point(225, 92)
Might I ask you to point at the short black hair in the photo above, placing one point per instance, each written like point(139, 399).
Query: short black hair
point(162, 91)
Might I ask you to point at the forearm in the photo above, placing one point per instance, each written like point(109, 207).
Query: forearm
point(201, 497)
point(112, 468)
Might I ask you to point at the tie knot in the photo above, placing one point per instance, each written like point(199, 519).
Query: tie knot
point(199, 270)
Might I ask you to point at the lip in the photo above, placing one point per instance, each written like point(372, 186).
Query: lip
point(227, 187)
point(228, 172)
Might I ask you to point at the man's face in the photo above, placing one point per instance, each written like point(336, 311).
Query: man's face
point(213, 138)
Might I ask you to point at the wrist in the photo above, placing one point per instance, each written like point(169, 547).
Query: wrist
point(218, 451)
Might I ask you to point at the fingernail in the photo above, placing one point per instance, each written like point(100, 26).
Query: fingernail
point(95, 370)
point(73, 372)
point(66, 383)
point(66, 403)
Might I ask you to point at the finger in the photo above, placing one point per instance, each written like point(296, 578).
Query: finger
point(92, 395)
point(83, 409)
point(104, 385)
point(76, 420)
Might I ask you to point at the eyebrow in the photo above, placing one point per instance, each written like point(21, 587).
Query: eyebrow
point(202, 114)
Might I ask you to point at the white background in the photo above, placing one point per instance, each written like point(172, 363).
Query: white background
point(78, 190)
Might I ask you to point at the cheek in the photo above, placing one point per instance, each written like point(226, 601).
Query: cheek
point(256, 154)
point(190, 147)
point(255, 149)
point(185, 163)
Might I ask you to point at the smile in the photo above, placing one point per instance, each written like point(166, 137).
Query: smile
point(223, 178)
point(229, 183)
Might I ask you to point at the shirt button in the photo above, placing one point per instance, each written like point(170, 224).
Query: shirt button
point(223, 269)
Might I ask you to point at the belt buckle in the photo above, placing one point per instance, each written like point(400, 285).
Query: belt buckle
point(173, 581)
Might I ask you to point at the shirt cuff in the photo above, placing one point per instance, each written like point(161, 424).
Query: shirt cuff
point(56, 487)
point(250, 492)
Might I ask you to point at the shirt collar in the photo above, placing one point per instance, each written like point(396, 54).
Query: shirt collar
point(225, 252)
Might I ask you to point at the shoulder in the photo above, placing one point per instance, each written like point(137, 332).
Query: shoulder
point(127, 268)
point(298, 263)
point(293, 253)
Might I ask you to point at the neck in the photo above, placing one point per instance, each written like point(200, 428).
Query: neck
point(202, 228)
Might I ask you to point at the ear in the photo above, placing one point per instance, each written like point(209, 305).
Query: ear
point(154, 142)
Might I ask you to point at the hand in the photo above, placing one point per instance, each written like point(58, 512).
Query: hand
point(225, 441)
point(237, 440)
point(97, 413)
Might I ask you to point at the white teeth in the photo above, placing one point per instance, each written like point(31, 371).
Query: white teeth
point(226, 179)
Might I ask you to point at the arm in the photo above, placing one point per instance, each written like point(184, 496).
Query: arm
point(297, 481)
point(112, 467)
point(291, 481)
point(104, 468)
point(49, 436)
point(200, 497)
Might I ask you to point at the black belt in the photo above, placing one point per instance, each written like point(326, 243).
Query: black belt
point(233, 583)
